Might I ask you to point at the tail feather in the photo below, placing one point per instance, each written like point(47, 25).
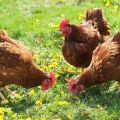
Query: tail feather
point(89, 15)
point(5, 38)
point(98, 21)
point(116, 37)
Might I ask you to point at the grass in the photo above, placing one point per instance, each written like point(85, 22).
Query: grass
point(36, 26)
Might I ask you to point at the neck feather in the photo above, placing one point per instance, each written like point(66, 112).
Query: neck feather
point(35, 77)
point(87, 78)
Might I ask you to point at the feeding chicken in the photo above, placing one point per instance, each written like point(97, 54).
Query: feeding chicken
point(105, 66)
point(17, 66)
point(80, 41)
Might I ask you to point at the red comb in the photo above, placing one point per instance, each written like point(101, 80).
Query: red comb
point(52, 81)
point(52, 75)
point(45, 88)
point(64, 23)
point(70, 85)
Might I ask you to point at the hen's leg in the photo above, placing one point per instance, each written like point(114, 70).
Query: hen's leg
point(2, 96)
point(12, 94)
point(7, 91)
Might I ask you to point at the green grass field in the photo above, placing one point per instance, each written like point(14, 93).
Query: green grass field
point(36, 26)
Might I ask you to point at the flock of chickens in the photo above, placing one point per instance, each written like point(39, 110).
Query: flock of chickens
point(88, 45)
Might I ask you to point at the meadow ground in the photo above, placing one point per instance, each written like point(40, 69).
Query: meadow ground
point(35, 24)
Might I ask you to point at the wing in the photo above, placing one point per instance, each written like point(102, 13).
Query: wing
point(106, 56)
point(77, 54)
point(11, 56)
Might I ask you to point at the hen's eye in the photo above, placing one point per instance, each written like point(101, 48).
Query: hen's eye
point(49, 78)
point(74, 86)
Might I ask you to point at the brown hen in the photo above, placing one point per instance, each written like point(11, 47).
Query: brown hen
point(17, 66)
point(105, 66)
point(80, 41)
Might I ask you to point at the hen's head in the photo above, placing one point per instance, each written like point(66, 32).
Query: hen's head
point(75, 88)
point(48, 83)
point(65, 27)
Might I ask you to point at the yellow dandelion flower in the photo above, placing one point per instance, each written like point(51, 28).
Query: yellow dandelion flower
point(14, 115)
point(17, 96)
point(70, 71)
point(116, 7)
point(32, 93)
point(28, 118)
point(62, 93)
point(8, 110)
point(1, 117)
point(63, 38)
point(114, 12)
point(63, 103)
point(43, 118)
point(57, 75)
point(56, 26)
point(38, 103)
point(80, 16)
point(53, 65)
point(107, 4)
point(69, 117)
point(2, 111)
point(53, 60)
point(51, 54)
point(4, 102)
